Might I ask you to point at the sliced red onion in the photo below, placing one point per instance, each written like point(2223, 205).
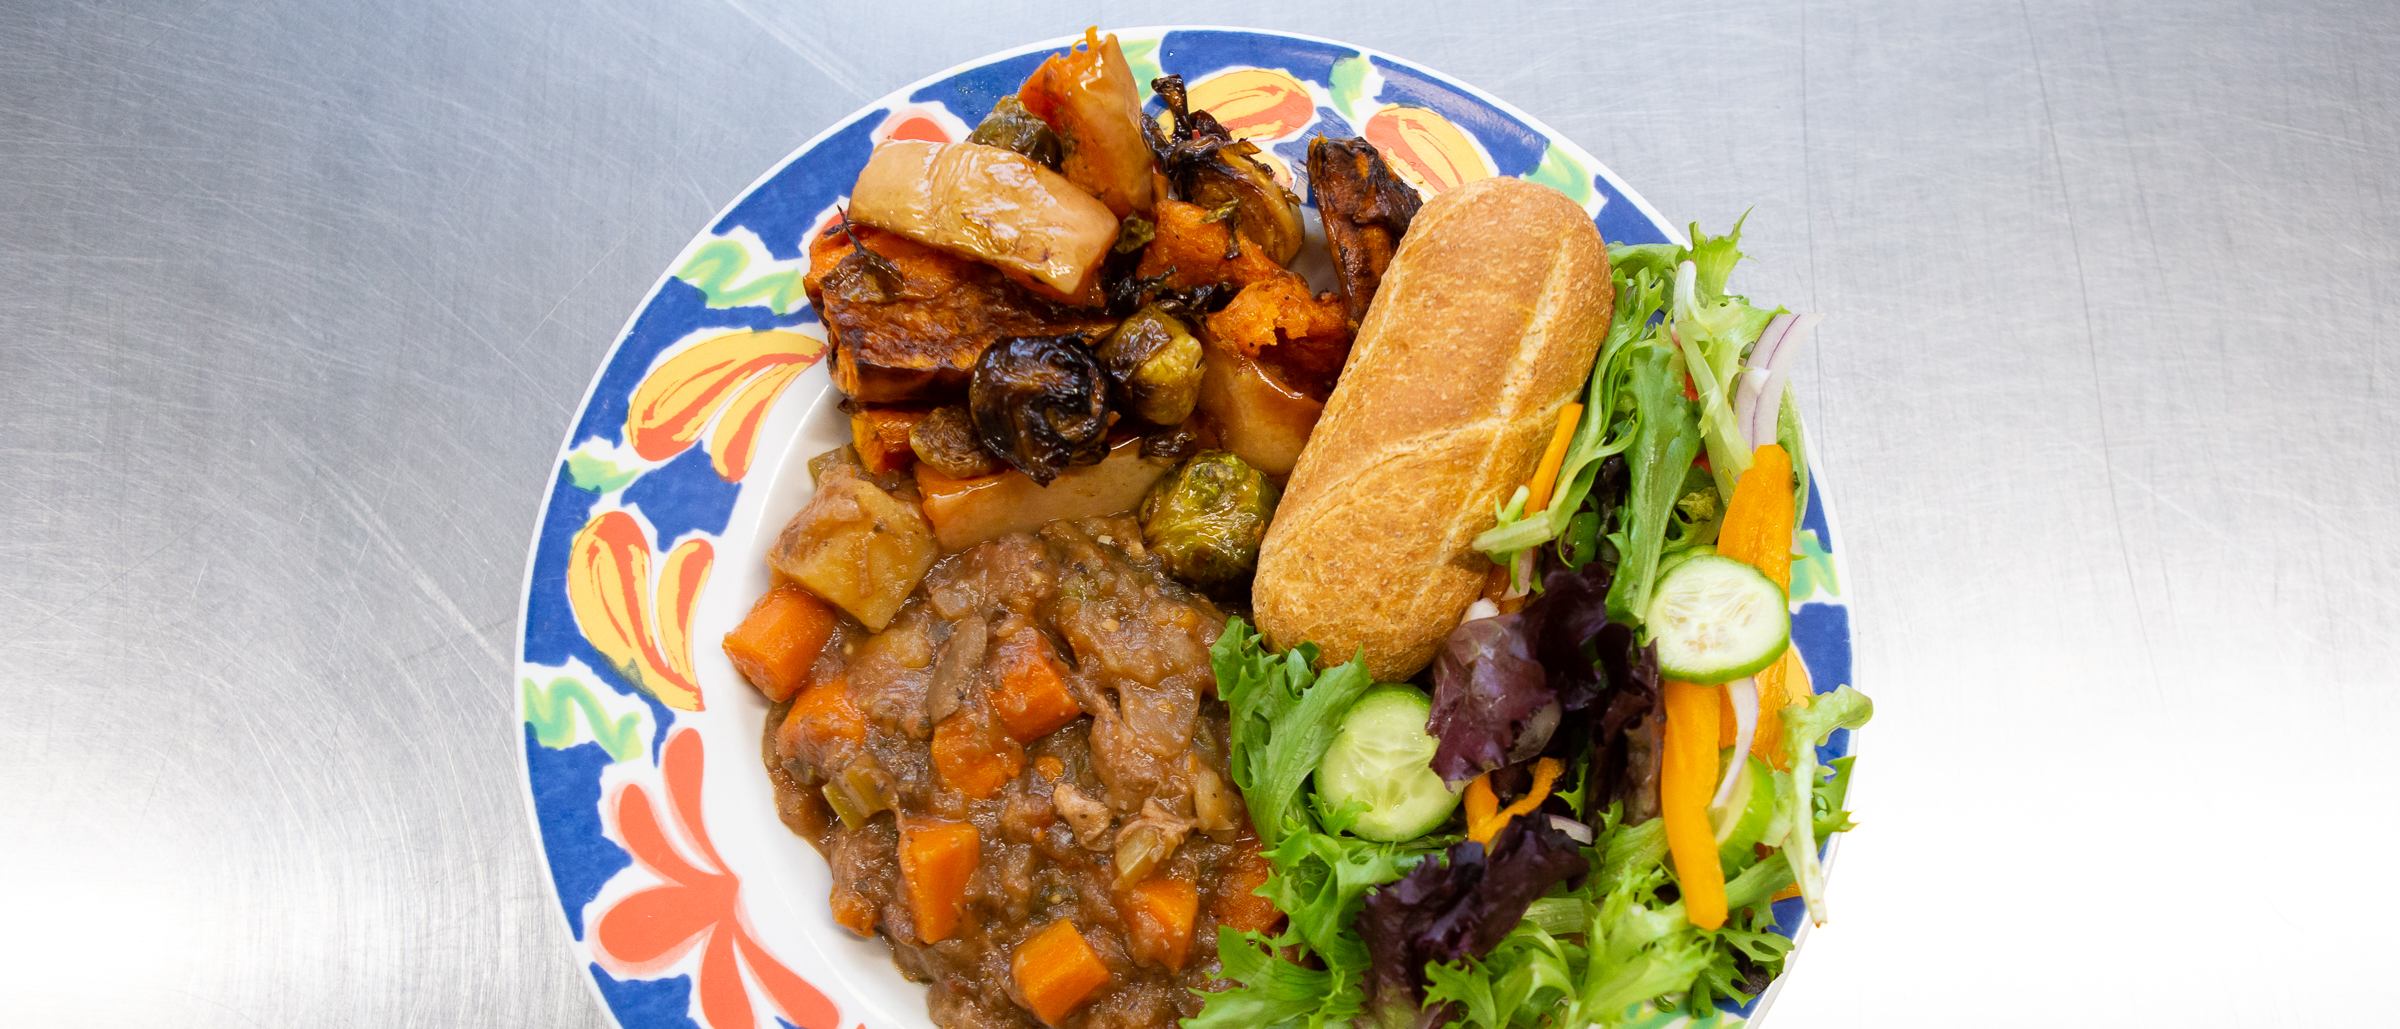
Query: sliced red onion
point(1758, 411)
point(1581, 832)
point(1744, 695)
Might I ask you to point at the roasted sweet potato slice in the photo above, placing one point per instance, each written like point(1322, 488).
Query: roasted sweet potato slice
point(1365, 209)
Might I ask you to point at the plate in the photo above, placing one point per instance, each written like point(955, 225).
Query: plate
point(685, 899)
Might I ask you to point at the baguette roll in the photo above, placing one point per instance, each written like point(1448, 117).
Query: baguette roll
point(1485, 326)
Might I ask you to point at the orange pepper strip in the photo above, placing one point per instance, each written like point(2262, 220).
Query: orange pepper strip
point(1687, 776)
point(1758, 532)
point(1483, 829)
point(1545, 475)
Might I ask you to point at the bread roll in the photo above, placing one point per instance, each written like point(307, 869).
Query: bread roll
point(1484, 327)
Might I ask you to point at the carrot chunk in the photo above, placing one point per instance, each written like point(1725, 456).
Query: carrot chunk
point(937, 860)
point(822, 715)
point(1159, 915)
point(1056, 971)
point(1032, 699)
point(1238, 905)
point(972, 760)
point(779, 639)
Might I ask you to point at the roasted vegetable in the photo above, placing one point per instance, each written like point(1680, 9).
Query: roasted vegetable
point(907, 321)
point(1306, 337)
point(1212, 169)
point(856, 546)
point(1191, 251)
point(1011, 127)
point(1205, 521)
point(1365, 209)
point(881, 435)
point(1153, 364)
point(966, 512)
point(1040, 403)
point(1258, 415)
point(945, 439)
point(994, 205)
point(1088, 96)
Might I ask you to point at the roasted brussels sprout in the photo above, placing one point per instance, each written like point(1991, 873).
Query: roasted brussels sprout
point(1212, 169)
point(945, 442)
point(1153, 362)
point(1040, 403)
point(1011, 127)
point(1206, 519)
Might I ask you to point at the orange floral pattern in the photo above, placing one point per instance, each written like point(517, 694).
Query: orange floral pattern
point(642, 626)
point(1255, 103)
point(1426, 149)
point(721, 386)
point(693, 903)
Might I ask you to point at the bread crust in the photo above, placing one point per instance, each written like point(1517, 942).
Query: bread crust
point(1486, 324)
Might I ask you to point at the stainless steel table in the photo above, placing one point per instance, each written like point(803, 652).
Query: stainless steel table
point(296, 298)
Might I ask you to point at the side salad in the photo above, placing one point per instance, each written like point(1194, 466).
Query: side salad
point(1588, 812)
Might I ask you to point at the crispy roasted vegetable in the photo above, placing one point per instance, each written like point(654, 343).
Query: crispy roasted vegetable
point(1011, 127)
point(946, 440)
point(1040, 403)
point(1088, 96)
point(1365, 209)
point(1279, 323)
point(1257, 414)
point(1210, 168)
point(996, 206)
point(907, 321)
point(966, 512)
point(1153, 364)
point(1205, 521)
point(856, 546)
point(1191, 250)
point(881, 435)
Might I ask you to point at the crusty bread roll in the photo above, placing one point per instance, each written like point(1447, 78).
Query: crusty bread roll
point(1484, 327)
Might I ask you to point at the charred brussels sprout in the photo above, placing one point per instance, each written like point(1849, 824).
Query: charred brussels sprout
point(1040, 403)
point(1212, 169)
point(945, 442)
point(1205, 521)
point(1154, 361)
point(1011, 127)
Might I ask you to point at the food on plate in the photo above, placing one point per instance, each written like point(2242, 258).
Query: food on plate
point(1484, 326)
point(994, 205)
point(1206, 520)
point(907, 321)
point(1153, 363)
point(1089, 98)
point(1365, 208)
point(1176, 643)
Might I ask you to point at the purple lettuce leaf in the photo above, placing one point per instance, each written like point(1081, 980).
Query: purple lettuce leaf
point(1500, 684)
point(1458, 908)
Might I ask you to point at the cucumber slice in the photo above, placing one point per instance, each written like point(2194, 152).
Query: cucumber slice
point(1716, 619)
point(1744, 819)
point(1380, 761)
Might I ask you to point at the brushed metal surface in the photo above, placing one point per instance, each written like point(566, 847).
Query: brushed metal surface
point(296, 298)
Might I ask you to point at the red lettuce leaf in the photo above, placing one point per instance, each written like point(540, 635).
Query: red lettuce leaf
point(1500, 684)
point(1460, 907)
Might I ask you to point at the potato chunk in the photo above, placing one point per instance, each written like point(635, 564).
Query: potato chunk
point(856, 546)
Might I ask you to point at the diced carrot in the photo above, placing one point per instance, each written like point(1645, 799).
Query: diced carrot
point(1056, 970)
point(974, 761)
point(1032, 699)
point(937, 859)
point(1545, 475)
point(1159, 915)
point(852, 911)
point(881, 436)
point(1238, 905)
point(822, 715)
point(1049, 768)
point(779, 639)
